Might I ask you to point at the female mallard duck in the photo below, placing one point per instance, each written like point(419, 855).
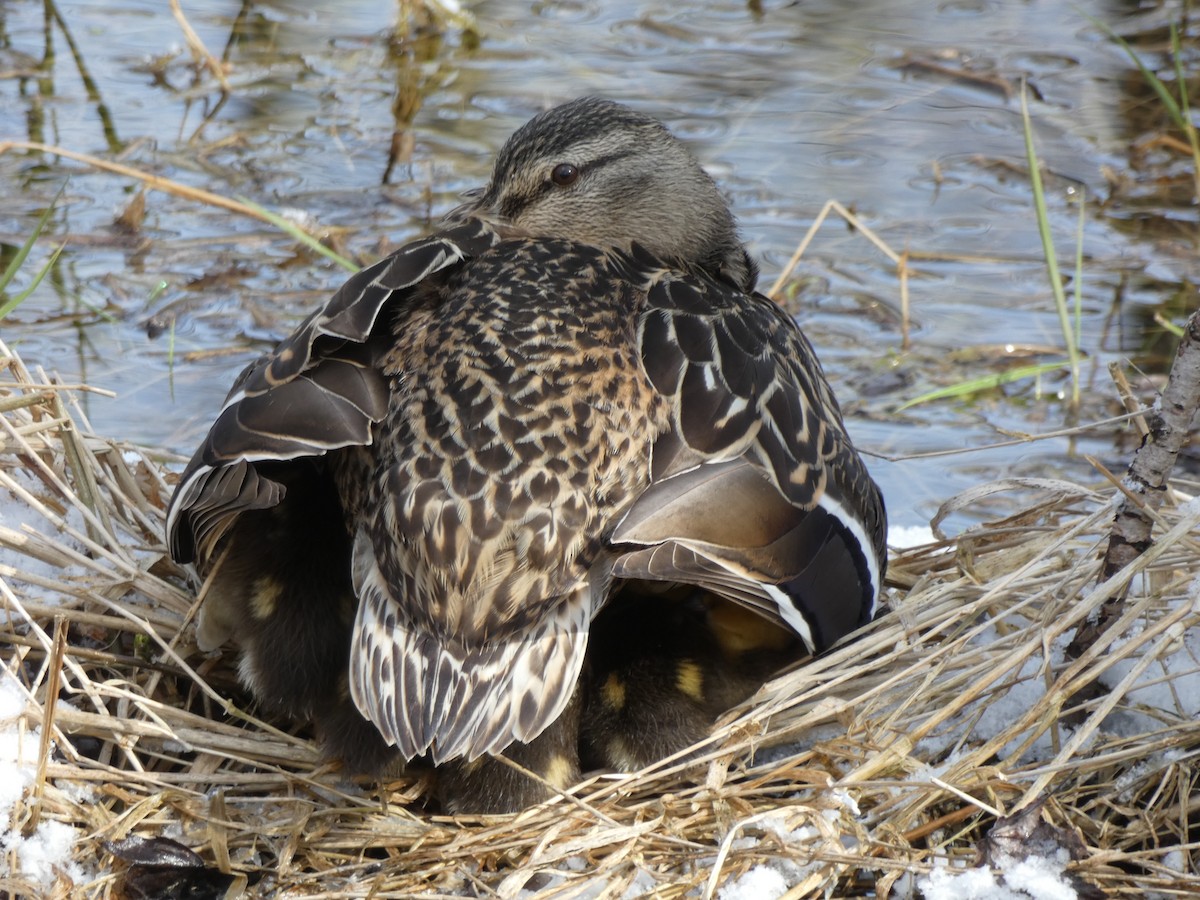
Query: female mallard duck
point(421, 499)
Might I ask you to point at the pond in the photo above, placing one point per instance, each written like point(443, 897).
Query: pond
point(364, 121)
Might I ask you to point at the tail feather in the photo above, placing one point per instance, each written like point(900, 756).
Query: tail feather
point(429, 693)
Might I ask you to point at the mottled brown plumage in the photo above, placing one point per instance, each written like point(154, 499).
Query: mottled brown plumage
point(427, 493)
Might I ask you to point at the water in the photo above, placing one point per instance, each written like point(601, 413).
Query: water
point(789, 104)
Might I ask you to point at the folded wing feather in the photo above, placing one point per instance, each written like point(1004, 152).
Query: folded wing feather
point(756, 493)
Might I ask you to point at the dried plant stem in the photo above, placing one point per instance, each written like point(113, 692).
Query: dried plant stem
point(155, 182)
point(853, 221)
point(1169, 425)
point(878, 763)
point(213, 64)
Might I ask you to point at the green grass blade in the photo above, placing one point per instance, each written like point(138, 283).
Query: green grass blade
point(1151, 79)
point(1168, 326)
point(15, 301)
point(1043, 220)
point(154, 295)
point(986, 383)
point(17, 261)
point(1077, 293)
point(1181, 80)
point(1179, 111)
point(1190, 130)
point(295, 231)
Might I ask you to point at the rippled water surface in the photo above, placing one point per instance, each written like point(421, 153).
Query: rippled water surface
point(907, 112)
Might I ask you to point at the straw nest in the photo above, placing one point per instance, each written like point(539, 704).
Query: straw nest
point(885, 757)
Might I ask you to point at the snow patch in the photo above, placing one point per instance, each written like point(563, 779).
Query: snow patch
point(22, 516)
point(46, 853)
point(18, 749)
point(904, 536)
point(760, 883)
point(1033, 878)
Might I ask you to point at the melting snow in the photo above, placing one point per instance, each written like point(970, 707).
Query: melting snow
point(48, 850)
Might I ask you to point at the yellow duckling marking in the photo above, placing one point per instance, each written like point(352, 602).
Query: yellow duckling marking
point(559, 771)
point(613, 692)
point(738, 629)
point(619, 756)
point(264, 597)
point(689, 679)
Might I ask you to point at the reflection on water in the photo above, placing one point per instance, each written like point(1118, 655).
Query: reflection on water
point(370, 124)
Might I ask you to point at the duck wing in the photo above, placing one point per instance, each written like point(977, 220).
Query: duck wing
point(319, 390)
point(756, 491)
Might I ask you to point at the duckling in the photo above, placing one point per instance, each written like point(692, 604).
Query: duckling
point(415, 506)
point(662, 666)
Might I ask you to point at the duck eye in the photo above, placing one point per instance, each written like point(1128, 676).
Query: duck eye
point(564, 174)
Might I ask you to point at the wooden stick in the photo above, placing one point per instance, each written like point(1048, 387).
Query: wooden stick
point(1169, 424)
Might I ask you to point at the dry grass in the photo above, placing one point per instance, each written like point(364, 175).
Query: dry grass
point(871, 762)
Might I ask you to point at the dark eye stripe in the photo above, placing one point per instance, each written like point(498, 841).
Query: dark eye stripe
point(512, 205)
